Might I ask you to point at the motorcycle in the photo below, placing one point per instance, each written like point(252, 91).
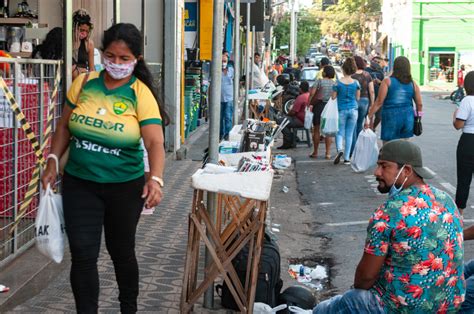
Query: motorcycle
point(291, 90)
point(456, 96)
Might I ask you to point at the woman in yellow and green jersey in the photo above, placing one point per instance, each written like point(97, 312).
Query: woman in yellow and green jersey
point(103, 184)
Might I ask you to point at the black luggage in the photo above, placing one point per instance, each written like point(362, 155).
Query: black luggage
point(269, 282)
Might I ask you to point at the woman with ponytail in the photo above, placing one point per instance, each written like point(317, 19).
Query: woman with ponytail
point(104, 184)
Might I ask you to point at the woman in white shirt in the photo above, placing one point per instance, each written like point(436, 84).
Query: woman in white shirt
point(464, 119)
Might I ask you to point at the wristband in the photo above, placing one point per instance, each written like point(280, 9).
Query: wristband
point(159, 180)
point(418, 113)
point(56, 159)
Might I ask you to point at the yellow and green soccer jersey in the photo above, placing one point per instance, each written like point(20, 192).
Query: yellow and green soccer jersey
point(105, 128)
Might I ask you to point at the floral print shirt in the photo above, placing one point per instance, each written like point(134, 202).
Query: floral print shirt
point(419, 231)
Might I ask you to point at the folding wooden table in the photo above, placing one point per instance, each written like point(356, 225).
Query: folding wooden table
point(239, 221)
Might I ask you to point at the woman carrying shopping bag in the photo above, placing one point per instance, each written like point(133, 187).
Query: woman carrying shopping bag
point(320, 94)
point(347, 93)
point(396, 96)
point(103, 183)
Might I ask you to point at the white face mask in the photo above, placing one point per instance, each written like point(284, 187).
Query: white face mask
point(119, 71)
point(224, 65)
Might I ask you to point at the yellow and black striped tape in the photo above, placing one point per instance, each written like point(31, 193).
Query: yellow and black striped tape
point(38, 150)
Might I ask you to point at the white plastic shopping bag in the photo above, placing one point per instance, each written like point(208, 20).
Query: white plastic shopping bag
point(330, 118)
point(49, 225)
point(365, 152)
point(262, 308)
point(308, 118)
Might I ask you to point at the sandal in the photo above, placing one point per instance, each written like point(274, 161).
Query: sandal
point(313, 156)
point(328, 156)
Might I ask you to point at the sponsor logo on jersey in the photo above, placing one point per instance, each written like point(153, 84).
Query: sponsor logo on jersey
point(93, 147)
point(97, 123)
point(120, 107)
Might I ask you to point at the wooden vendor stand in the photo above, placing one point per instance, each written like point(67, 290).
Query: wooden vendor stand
point(242, 204)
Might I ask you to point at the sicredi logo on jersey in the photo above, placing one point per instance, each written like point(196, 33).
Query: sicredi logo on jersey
point(97, 123)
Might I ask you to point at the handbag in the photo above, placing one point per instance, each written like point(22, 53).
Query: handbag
point(65, 155)
point(417, 126)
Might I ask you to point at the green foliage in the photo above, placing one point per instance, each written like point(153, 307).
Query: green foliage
point(308, 32)
point(349, 17)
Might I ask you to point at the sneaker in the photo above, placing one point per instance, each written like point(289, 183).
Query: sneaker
point(347, 162)
point(338, 157)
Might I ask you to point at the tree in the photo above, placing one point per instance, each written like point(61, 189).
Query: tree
point(349, 17)
point(308, 32)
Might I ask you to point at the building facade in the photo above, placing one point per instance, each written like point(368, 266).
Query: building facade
point(436, 35)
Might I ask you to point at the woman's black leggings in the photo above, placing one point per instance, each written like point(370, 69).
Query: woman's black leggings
point(89, 206)
point(465, 168)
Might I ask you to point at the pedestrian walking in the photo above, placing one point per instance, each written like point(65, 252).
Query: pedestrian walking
point(396, 96)
point(407, 265)
point(103, 183)
point(320, 94)
point(367, 96)
point(464, 119)
point(347, 92)
point(376, 72)
point(460, 83)
point(227, 98)
point(83, 46)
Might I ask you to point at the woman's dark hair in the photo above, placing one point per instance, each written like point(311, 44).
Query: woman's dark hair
point(81, 17)
point(304, 85)
point(52, 46)
point(469, 83)
point(360, 63)
point(132, 37)
point(329, 72)
point(349, 66)
point(401, 70)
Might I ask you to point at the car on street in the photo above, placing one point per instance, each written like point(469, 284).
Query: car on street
point(309, 74)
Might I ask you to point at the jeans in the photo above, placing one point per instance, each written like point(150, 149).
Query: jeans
point(89, 206)
point(347, 124)
point(468, 305)
point(362, 109)
point(353, 301)
point(465, 168)
point(227, 111)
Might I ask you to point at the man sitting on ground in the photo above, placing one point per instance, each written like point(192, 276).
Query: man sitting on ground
point(296, 116)
point(413, 256)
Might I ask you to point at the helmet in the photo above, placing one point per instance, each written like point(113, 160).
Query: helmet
point(297, 296)
point(283, 79)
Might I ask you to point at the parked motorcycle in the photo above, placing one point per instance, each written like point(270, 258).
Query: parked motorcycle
point(457, 95)
point(291, 90)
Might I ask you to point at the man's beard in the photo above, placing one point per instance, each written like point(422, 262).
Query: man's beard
point(383, 189)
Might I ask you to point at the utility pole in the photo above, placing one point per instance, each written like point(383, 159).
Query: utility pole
point(236, 61)
point(248, 65)
point(293, 26)
point(214, 123)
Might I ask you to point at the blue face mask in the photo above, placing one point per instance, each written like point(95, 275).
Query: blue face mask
point(393, 189)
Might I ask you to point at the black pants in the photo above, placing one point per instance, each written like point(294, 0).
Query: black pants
point(87, 207)
point(465, 168)
point(287, 134)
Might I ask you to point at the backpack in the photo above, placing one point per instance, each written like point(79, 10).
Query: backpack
point(269, 282)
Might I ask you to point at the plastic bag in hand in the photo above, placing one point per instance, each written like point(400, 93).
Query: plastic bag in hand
point(308, 118)
point(49, 225)
point(330, 118)
point(366, 151)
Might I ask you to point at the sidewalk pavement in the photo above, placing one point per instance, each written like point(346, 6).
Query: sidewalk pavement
point(160, 247)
